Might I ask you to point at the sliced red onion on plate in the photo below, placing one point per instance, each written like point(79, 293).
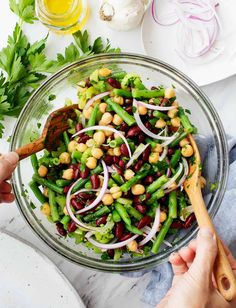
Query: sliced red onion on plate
point(111, 245)
point(102, 127)
point(90, 102)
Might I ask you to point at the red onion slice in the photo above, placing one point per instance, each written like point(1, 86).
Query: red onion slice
point(109, 246)
point(140, 149)
point(174, 178)
point(163, 154)
point(91, 101)
point(154, 228)
point(102, 127)
point(182, 180)
point(154, 107)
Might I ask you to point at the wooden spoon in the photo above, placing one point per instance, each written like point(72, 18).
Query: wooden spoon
point(56, 124)
point(224, 276)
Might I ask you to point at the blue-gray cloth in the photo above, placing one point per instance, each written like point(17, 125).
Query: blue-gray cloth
point(161, 276)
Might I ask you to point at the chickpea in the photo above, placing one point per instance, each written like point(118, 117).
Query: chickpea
point(99, 138)
point(184, 142)
point(104, 72)
point(142, 110)
point(91, 162)
point(107, 118)
point(175, 103)
point(90, 143)
point(173, 185)
point(115, 192)
point(160, 123)
point(129, 174)
point(45, 209)
point(169, 92)
point(42, 171)
point(172, 113)
point(118, 99)
point(81, 147)
point(153, 158)
point(102, 107)
point(67, 174)
point(158, 148)
point(118, 136)
point(45, 192)
point(132, 246)
point(87, 112)
point(107, 199)
point(202, 182)
point(151, 101)
point(138, 189)
point(110, 152)
point(175, 122)
point(97, 153)
point(72, 146)
point(117, 120)
point(117, 151)
point(163, 216)
point(108, 133)
point(64, 158)
point(187, 150)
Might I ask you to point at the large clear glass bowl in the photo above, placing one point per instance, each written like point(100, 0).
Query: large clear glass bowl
point(211, 140)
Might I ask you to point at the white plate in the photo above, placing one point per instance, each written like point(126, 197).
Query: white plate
point(29, 279)
point(159, 42)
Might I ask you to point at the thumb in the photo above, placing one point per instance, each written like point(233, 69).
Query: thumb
point(206, 252)
point(8, 163)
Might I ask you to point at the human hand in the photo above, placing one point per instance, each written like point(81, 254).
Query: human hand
point(193, 284)
point(8, 163)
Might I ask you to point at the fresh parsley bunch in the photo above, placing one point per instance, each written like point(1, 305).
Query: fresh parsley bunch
point(25, 65)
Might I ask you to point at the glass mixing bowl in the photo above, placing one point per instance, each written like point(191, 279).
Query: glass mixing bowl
point(211, 140)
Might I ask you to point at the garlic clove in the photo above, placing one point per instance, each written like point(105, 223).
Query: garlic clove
point(106, 11)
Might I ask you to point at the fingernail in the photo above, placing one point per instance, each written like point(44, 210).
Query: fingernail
point(12, 158)
point(206, 233)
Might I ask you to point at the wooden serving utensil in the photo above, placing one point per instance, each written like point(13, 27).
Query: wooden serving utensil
point(56, 124)
point(224, 276)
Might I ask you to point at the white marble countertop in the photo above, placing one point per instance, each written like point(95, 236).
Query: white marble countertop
point(97, 289)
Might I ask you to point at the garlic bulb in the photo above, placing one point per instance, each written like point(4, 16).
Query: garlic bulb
point(122, 15)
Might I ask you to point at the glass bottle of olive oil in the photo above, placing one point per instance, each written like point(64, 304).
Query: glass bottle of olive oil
point(63, 16)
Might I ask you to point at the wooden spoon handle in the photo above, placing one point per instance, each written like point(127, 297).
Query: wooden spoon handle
point(30, 148)
point(223, 273)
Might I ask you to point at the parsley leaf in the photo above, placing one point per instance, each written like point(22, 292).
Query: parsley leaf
point(25, 9)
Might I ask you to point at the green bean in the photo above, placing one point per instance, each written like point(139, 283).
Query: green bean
point(172, 204)
point(37, 192)
point(157, 184)
point(34, 162)
point(182, 203)
point(76, 155)
point(156, 196)
point(133, 212)
point(115, 216)
point(137, 93)
point(160, 115)
point(185, 121)
point(53, 206)
point(117, 178)
point(178, 139)
point(93, 216)
point(152, 210)
point(123, 93)
point(61, 201)
point(48, 184)
point(140, 175)
point(118, 75)
point(151, 142)
point(97, 170)
point(134, 230)
point(138, 84)
point(131, 145)
point(115, 143)
point(88, 185)
point(125, 201)
point(153, 121)
point(111, 183)
point(129, 119)
point(92, 119)
point(123, 213)
point(161, 235)
point(65, 220)
point(66, 138)
point(79, 185)
point(175, 158)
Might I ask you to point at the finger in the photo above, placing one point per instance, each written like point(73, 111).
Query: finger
point(178, 264)
point(5, 188)
point(202, 267)
point(8, 163)
point(187, 254)
point(193, 245)
point(7, 198)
